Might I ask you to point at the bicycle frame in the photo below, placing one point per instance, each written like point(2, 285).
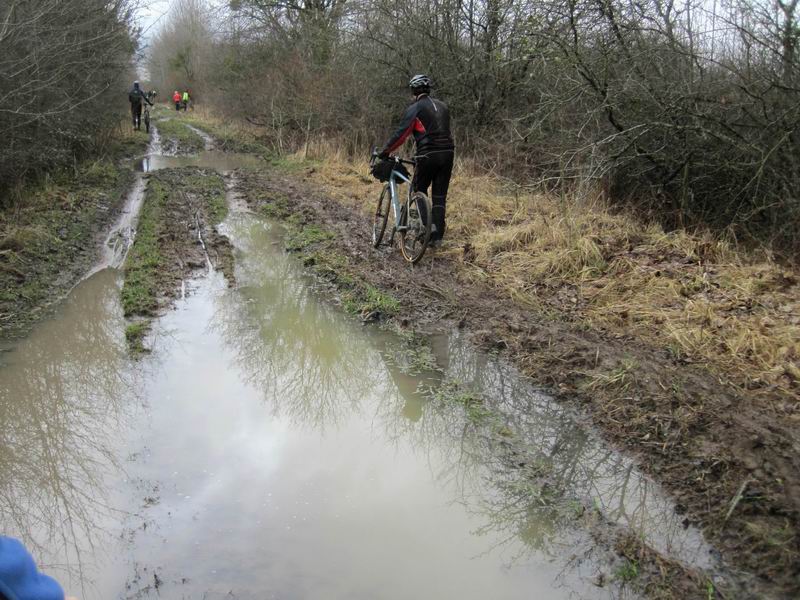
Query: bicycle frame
point(411, 214)
point(395, 194)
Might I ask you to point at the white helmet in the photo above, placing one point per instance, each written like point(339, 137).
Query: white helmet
point(420, 82)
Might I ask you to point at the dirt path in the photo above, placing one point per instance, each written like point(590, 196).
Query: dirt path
point(176, 238)
point(733, 470)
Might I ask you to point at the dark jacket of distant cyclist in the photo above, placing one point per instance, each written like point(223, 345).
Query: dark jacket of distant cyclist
point(136, 96)
point(428, 120)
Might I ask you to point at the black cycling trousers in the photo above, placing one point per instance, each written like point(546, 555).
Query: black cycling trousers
point(435, 168)
point(136, 113)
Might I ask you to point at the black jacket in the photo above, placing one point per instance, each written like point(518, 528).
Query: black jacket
point(137, 95)
point(429, 121)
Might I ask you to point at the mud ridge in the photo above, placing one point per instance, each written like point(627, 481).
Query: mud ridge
point(732, 470)
point(176, 239)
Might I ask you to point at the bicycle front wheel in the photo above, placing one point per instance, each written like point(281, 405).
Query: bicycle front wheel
point(381, 216)
point(415, 230)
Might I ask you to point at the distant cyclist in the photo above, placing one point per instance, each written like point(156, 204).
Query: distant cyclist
point(429, 120)
point(136, 96)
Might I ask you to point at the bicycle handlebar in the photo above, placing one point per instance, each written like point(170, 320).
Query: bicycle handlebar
point(374, 157)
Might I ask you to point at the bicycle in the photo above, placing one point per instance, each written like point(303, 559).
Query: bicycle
point(151, 98)
point(412, 217)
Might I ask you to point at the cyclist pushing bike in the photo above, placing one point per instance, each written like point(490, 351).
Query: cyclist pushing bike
point(137, 96)
point(429, 120)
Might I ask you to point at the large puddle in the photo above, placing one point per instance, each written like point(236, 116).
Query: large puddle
point(270, 447)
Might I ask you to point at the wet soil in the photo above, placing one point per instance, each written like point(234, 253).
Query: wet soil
point(176, 238)
point(54, 234)
point(732, 469)
point(177, 138)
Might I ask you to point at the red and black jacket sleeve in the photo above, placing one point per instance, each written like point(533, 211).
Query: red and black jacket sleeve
point(409, 123)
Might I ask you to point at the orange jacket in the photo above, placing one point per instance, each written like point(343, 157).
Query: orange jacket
point(176, 97)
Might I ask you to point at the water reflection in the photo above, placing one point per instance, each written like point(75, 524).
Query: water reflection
point(525, 466)
point(537, 447)
point(210, 159)
point(60, 406)
point(285, 342)
point(266, 503)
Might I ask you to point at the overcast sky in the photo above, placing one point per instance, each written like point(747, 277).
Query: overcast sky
point(149, 16)
point(150, 13)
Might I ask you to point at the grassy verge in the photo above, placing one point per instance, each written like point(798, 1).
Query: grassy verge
point(574, 259)
point(49, 235)
point(144, 264)
point(228, 137)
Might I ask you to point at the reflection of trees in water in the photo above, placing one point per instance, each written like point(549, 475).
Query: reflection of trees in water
point(288, 344)
point(59, 393)
point(529, 469)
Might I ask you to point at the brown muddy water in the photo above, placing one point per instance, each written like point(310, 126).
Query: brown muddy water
point(272, 447)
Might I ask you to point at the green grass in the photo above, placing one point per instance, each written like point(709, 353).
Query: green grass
point(186, 140)
point(627, 572)
point(139, 291)
point(301, 237)
point(474, 406)
point(366, 299)
point(277, 207)
point(135, 334)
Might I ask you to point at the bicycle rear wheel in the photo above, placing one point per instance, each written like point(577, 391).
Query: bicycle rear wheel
point(381, 216)
point(415, 230)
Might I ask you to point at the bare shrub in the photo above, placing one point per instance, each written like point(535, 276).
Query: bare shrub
point(689, 111)
point(63, 71)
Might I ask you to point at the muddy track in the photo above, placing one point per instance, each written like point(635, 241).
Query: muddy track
point(54, 242)
point(733, 469)
point(176, 238)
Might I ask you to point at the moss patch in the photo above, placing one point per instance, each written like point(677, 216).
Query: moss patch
point(301, 237)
